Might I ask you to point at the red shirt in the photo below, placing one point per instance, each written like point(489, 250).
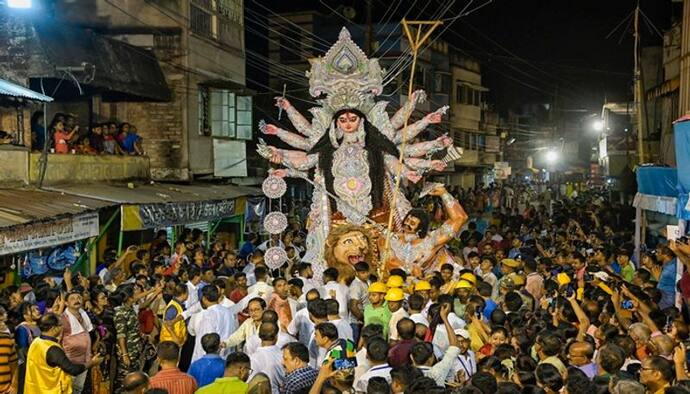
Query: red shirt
point(61, 142)
point(173, 380)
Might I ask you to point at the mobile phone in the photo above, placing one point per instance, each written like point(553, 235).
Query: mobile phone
point(344, 363)
point(627, 304)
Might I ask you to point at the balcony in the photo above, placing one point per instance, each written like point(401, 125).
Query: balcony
point(23, 167)
point(89, 168)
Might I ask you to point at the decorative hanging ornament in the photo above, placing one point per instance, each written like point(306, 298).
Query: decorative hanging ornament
point(275, 257)
point(274, 187)
point(275, 222)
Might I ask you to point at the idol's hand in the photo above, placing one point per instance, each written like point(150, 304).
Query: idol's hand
point(434, 118)
point(438, 165)
point(280, 173)
point(438, 191)
point(270, 129)
point(282, 102)
point(419, 96)
point(413, 176)
point(445, 141)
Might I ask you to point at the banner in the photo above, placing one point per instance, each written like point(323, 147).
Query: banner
point(143, 216)
point(46, 234)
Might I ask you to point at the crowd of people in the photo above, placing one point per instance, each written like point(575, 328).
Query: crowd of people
point(108, 138)
point(540, 298)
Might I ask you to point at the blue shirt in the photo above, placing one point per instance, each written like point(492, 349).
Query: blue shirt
point(667, 284)
point(128, 142)
point(207, 369)
point(489, 307)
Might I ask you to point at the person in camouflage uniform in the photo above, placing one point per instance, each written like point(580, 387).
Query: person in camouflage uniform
point(129, 342)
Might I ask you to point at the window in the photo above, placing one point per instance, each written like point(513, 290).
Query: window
point(466, 95)
point(442, 83)
point(201, 17)
point(229, 115)
point(244, 117)
point(221, 20)
point(222, 113)
point(204, 116)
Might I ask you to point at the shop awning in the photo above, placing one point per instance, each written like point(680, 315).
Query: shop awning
point(9, 89)
point(664, 88)
point(159, 204)
point(656, 189)
point(32, 219)
point(116, 70)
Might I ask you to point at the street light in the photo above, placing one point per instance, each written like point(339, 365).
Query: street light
point(598, 125)
point(551, 156)
point(19, 3)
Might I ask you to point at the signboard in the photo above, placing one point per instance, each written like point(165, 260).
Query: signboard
point(493, 144)
point(160, 215)
point(42, 235)
point(502, 170)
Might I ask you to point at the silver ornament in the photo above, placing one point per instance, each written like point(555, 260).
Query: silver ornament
point(274, 187)
point(275, 257)
point(275, 222)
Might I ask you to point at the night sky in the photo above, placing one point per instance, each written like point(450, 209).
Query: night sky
point(531, 50)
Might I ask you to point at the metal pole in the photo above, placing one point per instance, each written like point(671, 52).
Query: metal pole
point(639, 91)
point(96, 239)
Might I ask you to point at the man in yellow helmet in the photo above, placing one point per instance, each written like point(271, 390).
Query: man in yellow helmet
point(395, 297)
point(377, 312)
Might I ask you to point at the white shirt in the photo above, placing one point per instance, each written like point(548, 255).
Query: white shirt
point(249, 271)
point(214, 319)
point(301, 326)
point(419, 318)
point(269, 243)
point(362, 363)
point(393, 323)
point(262, 289)
point(359, 292)
point(342, 295)
point(246, 330)
point(193, 295)
point(344, 329)
point(75, 326)
point(466, 363)
point(440, 370)
point(308, 284)
point(383, 370)
point(254, 342)
point(269, 360)
point(441, 336)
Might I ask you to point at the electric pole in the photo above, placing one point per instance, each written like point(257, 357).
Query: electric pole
point(640, 104)
point(369, 38)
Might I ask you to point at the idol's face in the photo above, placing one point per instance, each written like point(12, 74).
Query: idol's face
point(411, 225)
point(348, 122)
point(351, 248)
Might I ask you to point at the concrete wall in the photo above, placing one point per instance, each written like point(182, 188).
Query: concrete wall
point(14, 170)
point(68, 168)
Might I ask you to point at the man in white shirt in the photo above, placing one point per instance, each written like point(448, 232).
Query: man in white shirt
point(268, 358)
point(359, 298)
point(261, 288)
point(76, 339)
point(273, 241)
point(377, 353)
point(394, 298)
point(306, 275)
point(422, 353)
point(465, 364)
point(336, 290)
point(302, 324)
point(255, 307)
point(416, 303)
point(254, 342)
point(343, 326)
point(368, 333)
point(194, 274)
point(214, 319)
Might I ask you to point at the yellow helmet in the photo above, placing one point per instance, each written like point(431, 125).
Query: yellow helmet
point(422, 285)
point(395, 281)
point(377, 287)
point(463, 284)
point(468, 276)
point(394, 294)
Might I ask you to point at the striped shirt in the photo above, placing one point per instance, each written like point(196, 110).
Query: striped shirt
point(8, 360)
point(173, 380)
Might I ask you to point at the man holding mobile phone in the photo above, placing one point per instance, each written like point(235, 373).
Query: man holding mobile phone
point(298, 373)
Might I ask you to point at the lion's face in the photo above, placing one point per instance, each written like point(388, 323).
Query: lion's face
point(351, 248)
